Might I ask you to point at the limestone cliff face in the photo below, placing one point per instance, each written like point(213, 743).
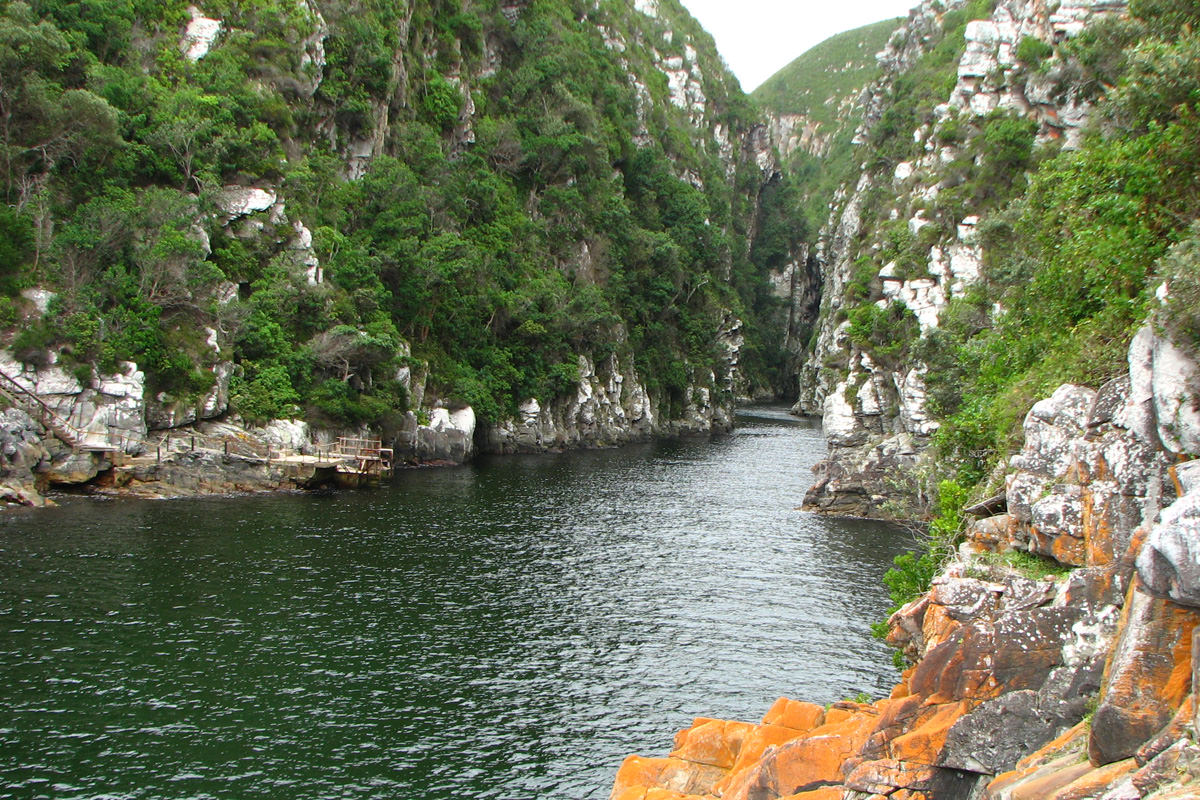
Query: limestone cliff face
point(653, 42)
point(876, 414)
point(1058, 656)
point(610, 407)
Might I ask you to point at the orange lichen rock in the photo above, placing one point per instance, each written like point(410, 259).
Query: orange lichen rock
point(1094, 782)
point(1068, 777)
point(667, 794)
point(1147, 677)
point(924, 744)
point(1072, 741)
point(759, 740)
point(806, 763)
point(827, 793)
point(713, 742)
point(1180, 726)
point(885, 776)
point(639, 774)
point(795, 714)
point(1046, 781)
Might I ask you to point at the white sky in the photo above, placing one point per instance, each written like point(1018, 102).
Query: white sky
point(759, 37)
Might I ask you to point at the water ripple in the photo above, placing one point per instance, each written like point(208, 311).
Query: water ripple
point(507, 630)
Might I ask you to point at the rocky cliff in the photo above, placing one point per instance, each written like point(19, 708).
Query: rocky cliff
point(904, 235)
point(1008, 321)
point(451, 225)
point(1056, 656)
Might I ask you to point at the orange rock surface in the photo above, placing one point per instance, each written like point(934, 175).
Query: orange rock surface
point(1147, 678)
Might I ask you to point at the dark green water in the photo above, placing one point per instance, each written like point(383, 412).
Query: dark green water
point(507, 630)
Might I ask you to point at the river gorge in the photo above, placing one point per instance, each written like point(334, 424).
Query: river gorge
point(508, 629)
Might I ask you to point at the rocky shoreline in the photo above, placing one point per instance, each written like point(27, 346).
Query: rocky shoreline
point(1057, 657)
point(106, 436)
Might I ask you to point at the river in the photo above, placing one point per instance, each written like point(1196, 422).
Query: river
point(509, 629)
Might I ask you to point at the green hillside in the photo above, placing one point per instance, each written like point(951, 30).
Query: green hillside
point(449, 162)
point(822, 87)
point(817, 83)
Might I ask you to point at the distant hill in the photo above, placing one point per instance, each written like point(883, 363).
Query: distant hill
point(818, 82)
point(813, 107)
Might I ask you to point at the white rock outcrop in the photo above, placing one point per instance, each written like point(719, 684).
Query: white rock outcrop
point(107, 411)
point(1169, 563)
point(199, 35)
point(240, 201)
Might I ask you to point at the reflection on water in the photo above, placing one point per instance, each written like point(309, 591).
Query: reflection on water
point(508, 630)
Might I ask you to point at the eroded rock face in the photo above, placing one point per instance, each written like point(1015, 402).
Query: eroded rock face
point(1088, 476)
point(1148, 677)
point(107, 411)
point(21, 453)
point(1169, 564)
point(610, 406)
point(989, 77)
point(1007, 665)
point(449, 436)
point(1170, 381)
point(200, 34)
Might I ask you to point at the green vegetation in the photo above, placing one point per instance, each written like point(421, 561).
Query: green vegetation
point(1027, 565)
point(823, 86)
point(1032, 51)
point(499, 254)
point(833, 72)
point(886, 333)
point(1071, 260)
point(1180, 271)
point(914, 572)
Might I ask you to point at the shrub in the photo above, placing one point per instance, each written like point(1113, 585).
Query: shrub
point(887, 334)
point(441, 102)
point(1032, 51)
point(913, 573)
point(1179, 269)
point(265, 394)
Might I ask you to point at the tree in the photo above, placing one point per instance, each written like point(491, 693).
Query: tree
point(185, 124)
point(41, 124)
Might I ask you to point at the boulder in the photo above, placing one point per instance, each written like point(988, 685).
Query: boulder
point(1173, 379)
point(449, 436)
point(284, 434)
point(804, 764)
point(713, 742)
point(74, 468)
point(638, 774)
point(1147, 678)
point(1056, 530)
point(794, 714)
point(1051, 428)
point(1169, 564)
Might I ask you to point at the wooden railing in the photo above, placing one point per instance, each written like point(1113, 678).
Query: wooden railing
point(369, 454)
point(27, 400)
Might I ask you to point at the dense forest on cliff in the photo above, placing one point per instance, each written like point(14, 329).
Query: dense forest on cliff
point(479, 191)
point(1076, 241)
